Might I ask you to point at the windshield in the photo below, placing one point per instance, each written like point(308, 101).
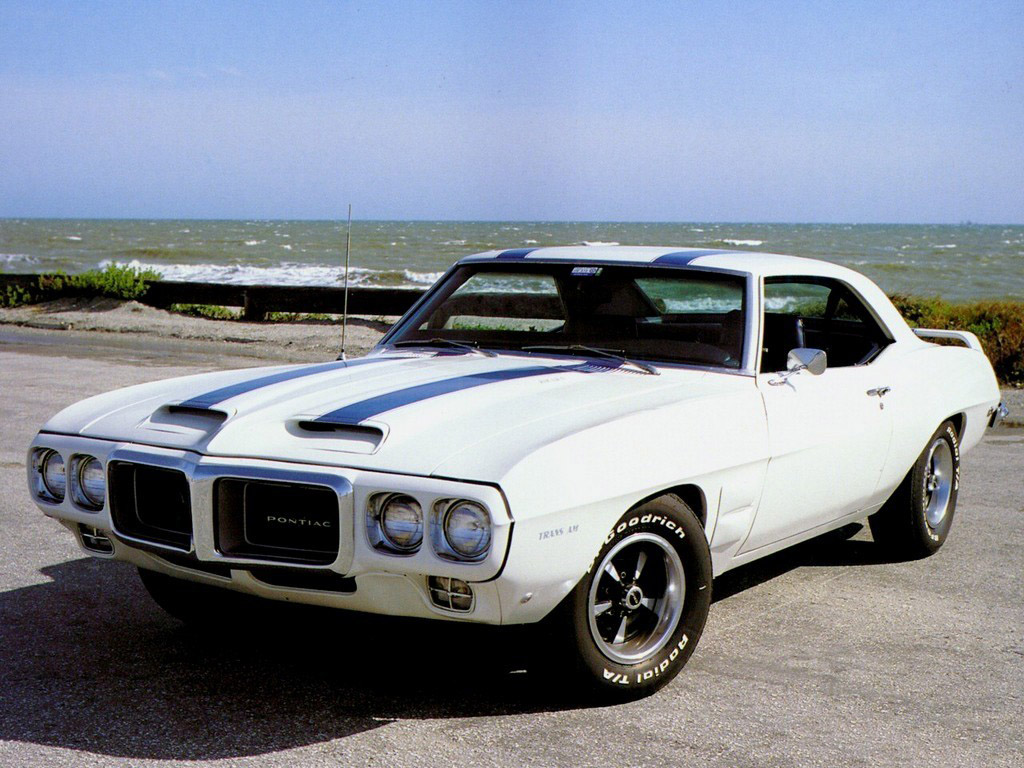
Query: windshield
point(666, 315)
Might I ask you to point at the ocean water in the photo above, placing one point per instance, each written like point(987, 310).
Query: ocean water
point(960, 262)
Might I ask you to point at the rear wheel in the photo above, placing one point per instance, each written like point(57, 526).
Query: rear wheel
point(634, 619)
point(915, 521)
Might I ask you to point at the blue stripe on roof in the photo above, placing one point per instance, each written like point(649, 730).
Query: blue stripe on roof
point(682, 258)
point(515, 253)
point(374, 406)
point(251, 385)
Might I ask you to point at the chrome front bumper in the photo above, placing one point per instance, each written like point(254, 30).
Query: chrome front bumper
point(997, 413)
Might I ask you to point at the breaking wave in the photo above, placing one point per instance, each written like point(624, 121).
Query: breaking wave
point(17, 258)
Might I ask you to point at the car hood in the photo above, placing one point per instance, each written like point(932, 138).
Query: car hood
point(453, 414)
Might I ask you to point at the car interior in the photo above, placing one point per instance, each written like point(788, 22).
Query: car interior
point(661, 315)
point(821, 314)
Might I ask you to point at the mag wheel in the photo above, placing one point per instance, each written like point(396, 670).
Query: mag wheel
point(916, 520)
point(636, 616)
point(636, 598)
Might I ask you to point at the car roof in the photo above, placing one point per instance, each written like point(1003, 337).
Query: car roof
point(757, 264)
point(751, 262)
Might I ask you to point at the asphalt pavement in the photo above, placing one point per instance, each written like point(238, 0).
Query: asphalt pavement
point(824, 655)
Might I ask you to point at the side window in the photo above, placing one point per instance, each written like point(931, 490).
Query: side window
point(796, 299)
point(821, 314)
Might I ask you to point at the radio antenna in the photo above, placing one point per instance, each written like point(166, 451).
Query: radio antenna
point(344, 307)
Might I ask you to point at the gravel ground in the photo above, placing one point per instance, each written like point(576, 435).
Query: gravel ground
point(822, 655)
point(298, 342)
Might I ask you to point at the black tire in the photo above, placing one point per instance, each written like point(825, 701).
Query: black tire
point(915, 521)
point(193, 603)
point(657, 618)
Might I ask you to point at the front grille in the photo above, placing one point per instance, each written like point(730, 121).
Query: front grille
point(151, 504)
point(276, 521)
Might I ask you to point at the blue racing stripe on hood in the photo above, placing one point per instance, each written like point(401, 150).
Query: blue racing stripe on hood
point(515, 253)
point(683, 258)
point(374, 406)
point(243, 387)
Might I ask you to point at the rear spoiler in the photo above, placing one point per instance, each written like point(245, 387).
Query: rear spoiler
point(966, 338)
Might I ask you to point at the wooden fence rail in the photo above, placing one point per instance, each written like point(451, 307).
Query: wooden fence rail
point(257, 300)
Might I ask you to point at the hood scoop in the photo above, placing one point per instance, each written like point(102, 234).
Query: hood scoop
point(185, 420)
point(205, 415)
point(345, 438)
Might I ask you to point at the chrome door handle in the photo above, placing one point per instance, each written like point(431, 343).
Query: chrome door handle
point(880, 391)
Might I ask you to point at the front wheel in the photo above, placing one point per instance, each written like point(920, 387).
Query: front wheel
point(636, 616)
point(916, 519)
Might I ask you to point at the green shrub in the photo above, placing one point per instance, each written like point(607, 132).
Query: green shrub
point(300, 317)
point(15, 296)
point(998, 324)
point(209, 311)
point(115, 282)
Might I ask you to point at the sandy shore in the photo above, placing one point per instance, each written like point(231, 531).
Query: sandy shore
point(99, 319)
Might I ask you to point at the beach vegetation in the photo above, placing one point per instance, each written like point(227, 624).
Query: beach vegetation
point(301, 317)
point(999, 325)
point(14, 296)
point(113, 282)
point(209, 311)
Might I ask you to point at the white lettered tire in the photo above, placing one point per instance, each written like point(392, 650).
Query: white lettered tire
point(636, 616)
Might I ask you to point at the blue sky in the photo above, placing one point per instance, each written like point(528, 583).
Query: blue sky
point(738, 111)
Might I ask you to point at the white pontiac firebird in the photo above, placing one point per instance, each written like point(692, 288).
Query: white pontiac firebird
point(580, 435)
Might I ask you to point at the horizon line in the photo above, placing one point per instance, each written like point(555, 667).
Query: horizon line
point(343, 219)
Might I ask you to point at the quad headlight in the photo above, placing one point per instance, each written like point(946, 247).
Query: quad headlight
point(51, 479)
point(460, 530)
point(396, 520)
point(467, 528)
point(88, 482)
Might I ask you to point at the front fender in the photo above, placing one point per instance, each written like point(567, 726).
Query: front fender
point(566, 496)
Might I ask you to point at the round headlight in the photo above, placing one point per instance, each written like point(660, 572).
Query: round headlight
point(467, 528)
point(91, 480)
point(401, 522)
point(52, 471)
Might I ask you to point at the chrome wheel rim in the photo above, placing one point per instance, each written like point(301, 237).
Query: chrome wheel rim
point(938, 482)
point(636, 598)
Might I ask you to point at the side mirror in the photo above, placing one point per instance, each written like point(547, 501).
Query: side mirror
point(814, 361)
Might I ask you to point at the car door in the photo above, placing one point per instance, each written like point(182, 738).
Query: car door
point(828, 434)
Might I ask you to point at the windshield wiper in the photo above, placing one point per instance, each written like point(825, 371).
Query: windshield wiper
point(613, 354)
point(439, 342)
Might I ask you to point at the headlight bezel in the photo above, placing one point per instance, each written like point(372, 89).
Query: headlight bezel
point(80, 494)
point(41, 458)
point(380, 538)
point(442, 539)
